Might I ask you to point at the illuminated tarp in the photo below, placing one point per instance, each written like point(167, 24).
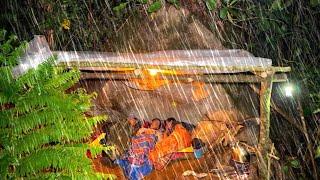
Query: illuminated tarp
point(197, 61)
point(209, 61)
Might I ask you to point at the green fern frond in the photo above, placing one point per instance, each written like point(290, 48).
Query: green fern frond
point(43, 72)
point(64, 81)
point(93, 121)
point(7, 85)
point(5, 138)
point(95, 150)
point(3, 99)
point(64, 131)
point(41, 116)
point(33, 101)
point(4, 164)
point(73, 176)
point(41, 124)
point(68, 159)
point(10, 54)
point(6, 116)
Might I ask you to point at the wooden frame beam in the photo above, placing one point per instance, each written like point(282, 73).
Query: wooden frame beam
point(125, 66)
point(264, 141)
point(209, 78)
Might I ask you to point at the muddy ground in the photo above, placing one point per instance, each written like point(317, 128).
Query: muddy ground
point(176, 168)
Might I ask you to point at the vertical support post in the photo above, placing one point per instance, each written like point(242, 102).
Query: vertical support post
point(264, 141)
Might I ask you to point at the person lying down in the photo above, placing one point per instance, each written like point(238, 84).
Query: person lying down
point(150, 146)
point(135, 163)
point(176, 137)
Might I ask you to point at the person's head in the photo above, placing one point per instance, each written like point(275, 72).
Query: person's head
point(155, 124)
point(197, 143)
point(170, 123)
point(132, 120)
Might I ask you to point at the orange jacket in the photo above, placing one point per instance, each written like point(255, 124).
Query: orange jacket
point(179, 139)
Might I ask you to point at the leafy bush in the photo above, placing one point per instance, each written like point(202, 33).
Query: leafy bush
point(42, 127)
point(285, 31)
point(288, 33)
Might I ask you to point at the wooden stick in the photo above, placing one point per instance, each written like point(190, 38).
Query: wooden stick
point(269, 160)
point(306, 135)
point(280, 111)
point(274, 157)
point(106, 65)
point(265, 96)
point(187, 78)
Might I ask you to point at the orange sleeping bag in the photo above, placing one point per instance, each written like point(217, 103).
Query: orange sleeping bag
point(179, 139)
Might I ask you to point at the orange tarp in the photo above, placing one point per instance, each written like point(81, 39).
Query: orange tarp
point(179, 139)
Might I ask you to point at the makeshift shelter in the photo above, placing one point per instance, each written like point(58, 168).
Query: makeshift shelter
point(185, 84)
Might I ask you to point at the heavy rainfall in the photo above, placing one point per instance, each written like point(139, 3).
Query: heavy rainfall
point(159, 89)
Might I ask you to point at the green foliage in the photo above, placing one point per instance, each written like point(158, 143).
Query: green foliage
point(294, 163)
point(85, 25)
point(155, 6)
point(223, 13)
point(120, 8)
point(290, 164)
point(174, 2)
point(8, 49)
point(41, 125)
point(228, 10)
point(143, 1)
point(285, 31)
point(317, 153)
point(211, 4)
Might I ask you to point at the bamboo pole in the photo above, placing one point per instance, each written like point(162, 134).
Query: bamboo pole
point(264, 141)
point(221, 69)
point(186, 78)
point(284, 114)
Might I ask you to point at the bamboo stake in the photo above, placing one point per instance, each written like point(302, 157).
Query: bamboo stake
point(265, 96)
point(280, 111)
point(106, 65)
point(186, 78)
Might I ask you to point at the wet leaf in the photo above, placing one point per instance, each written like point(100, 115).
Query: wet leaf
point(233, 2)
point(295, 163)
point(143, 1)
point(154, 7)
point(233, 12)
point(277, 5)
point(230, 18)
point(223, 13)
point(120, 7)
point(285, 169)
point(174, 2)
point(211, 4)
point(317, 153)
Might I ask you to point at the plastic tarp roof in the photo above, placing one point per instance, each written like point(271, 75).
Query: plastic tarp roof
point(223, 58)
point(38, 51)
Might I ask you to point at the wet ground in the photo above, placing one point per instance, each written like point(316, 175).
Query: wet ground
point(176, 168)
